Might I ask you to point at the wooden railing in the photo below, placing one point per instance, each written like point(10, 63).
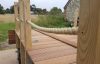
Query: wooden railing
point(89, 30)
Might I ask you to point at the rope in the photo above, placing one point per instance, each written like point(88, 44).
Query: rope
point(69, 30)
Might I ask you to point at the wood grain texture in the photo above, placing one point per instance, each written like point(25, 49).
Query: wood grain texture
point(47, 49)
point(89, 32)
point(22, 37)
point(71, 59)
point(50, 53)
point(16, 15)
point(27, 27)
point(64, 40)
point(17, 29)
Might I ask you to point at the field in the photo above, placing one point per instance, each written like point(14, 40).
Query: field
point(52, 21)
point(6, 18)
point(10, 18)
point(4, 27)
point(7, 23)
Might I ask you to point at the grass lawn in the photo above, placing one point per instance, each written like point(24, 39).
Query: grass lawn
point(52, 21)
point(4, 27)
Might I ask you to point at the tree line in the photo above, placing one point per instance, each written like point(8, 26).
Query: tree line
point(8, 10)
point(34, 10)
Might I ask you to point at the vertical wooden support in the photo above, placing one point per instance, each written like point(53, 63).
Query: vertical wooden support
point(89, 32)
point(27, 27)
point(22, 36)
point(16, 22)
point(16, 15)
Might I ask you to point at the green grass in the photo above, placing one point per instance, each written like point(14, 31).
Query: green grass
point(52, 21)
point(4, 27)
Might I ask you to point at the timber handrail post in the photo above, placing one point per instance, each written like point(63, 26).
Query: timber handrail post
point(27, 27)
point(16, 16)
point(89, 33)
point(22, 36)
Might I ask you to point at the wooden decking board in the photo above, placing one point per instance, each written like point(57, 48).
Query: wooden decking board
point(36, 40)
point(44, 43)
point(45, 56)
point(72, 38)
point(63, 40)
point(54, 54)
point(70, 59)
point(48, 45)
point(46, 50)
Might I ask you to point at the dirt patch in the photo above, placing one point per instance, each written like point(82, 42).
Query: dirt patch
point(6, 46)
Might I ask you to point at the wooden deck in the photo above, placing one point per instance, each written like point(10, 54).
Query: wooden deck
point(47, 50)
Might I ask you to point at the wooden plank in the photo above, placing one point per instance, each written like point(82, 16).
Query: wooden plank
point(57, 44)
point(89, 32)
point(22, 54)
point(17, 23)
point(50, 49)
point(16, 15)
point(27, 27)
point(73, 44)
point(38, 39)
point(17, 41)
point(51, 52)
point(48, 45)
point(54, 54)
point(22, 36)
point(44, 43)
point(70, 59)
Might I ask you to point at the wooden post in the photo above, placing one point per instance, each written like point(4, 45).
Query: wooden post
point(16, 15)
point(27, 27)
point(22, 36)
point(89, 32)
point(16, 22)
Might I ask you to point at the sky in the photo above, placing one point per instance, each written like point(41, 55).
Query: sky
point(48, 4)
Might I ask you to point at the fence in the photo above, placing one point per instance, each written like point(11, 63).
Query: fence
point(89, 31)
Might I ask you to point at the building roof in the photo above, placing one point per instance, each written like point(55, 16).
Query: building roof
point(67, 4)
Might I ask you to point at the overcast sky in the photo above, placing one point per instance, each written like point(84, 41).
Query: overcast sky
point(48, 4)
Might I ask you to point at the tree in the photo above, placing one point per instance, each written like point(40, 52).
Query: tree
point(1, 9)
point(44, 11)
point(55, 11)
point(33, 7)
point(7, 10)
point(39, 11)
point(36, 10)
point(12, 9)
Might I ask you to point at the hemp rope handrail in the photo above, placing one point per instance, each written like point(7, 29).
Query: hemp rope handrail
point(68, 30)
